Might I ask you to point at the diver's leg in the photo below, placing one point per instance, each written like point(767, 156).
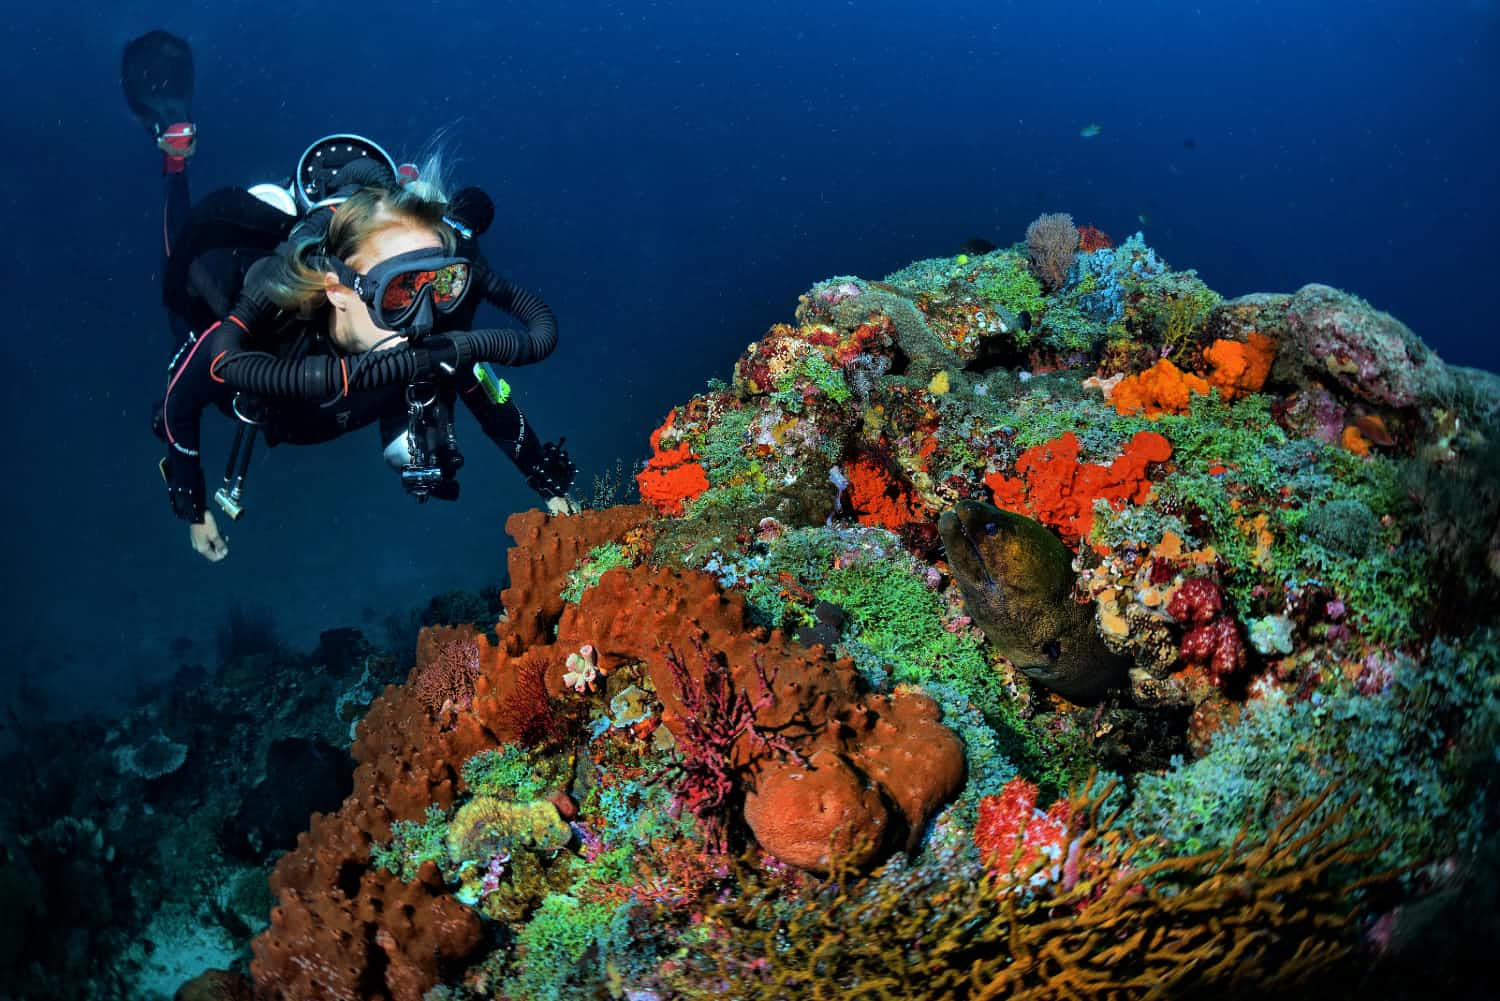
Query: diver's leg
point(156, 74)
point(176, 203)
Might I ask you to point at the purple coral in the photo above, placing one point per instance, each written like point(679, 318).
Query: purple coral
point(1367, 353)
point(493, 873)
point(836, 292)
point(714, 717)
point(1051, 243)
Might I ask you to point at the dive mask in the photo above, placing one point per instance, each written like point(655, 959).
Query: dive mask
point(404, 291)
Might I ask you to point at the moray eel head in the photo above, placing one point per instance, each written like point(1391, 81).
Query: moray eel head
point(1017, 581)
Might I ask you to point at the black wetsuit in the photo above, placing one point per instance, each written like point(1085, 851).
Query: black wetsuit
point(193, 384)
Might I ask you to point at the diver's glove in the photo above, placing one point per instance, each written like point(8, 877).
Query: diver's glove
point(185, 489)
point(554, 474)
point(183, 475)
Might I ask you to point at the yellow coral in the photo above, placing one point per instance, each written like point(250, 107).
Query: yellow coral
point(489, 825)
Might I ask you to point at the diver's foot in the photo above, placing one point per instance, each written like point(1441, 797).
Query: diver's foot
point(177, 141)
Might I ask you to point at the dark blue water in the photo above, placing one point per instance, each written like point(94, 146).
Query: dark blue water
point(670, 176)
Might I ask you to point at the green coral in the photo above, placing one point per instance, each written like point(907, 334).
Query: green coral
point(1388, 590)
point(1056, 406)
point(1133, 526)
point(1405, 755)
point(818, 370)
point(894, 613)
point(599, 560)
point(1067, 330)
point(1173, 308)
point(1238, 436)
point(562, 949)
point(721, 448)
point(413, 843)
point(1006, 279)
point(512, 772)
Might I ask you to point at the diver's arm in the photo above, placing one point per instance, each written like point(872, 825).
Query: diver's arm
point(192, 386)
point(547, 468)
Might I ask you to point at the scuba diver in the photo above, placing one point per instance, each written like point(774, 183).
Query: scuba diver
point(342, 298)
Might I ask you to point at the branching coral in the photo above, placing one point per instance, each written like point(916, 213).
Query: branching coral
point(707, 780)
point(1271, 915)
point(531, 711)
point(1052, 242)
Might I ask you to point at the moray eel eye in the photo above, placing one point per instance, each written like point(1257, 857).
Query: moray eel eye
point(989, 528)
point(1053, 649)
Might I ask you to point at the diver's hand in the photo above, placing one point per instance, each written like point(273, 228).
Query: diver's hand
point(563, 505)
point(206, 539)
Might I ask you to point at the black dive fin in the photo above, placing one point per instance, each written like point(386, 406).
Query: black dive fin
point(156, 73)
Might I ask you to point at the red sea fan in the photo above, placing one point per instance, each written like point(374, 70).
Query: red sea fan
point(530, 712)
point(1091, 238)
point(715, 716)
point(445, 682)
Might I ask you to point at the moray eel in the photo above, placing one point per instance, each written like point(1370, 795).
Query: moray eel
point(1017, 581)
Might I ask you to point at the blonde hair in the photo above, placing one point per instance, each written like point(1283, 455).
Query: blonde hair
point(298, 285)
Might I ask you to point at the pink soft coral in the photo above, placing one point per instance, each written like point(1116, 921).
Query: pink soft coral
point(1017, 840)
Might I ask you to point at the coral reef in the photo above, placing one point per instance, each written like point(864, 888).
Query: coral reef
point(818, 720)
point(378, 936)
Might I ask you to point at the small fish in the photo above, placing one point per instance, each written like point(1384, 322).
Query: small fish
point(976, 246)
point(1090, 130)
point(1373, 428)
point(1144, 218)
